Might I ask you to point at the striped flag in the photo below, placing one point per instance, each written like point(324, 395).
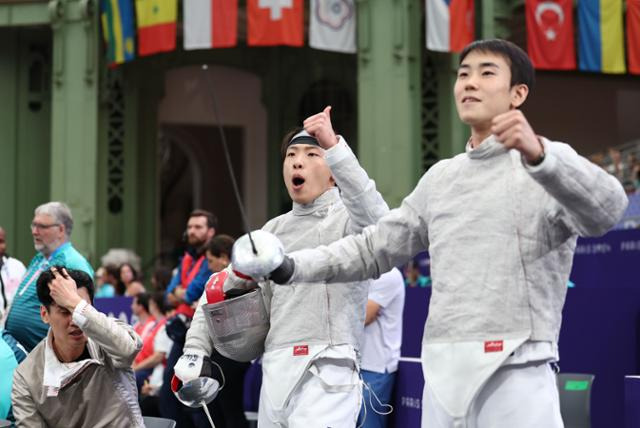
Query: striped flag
point(450, 24)
point(156, 25)
point(600, 36)
point(633, 35)
point(210, 23)
point(118, 30)
point(333, 25)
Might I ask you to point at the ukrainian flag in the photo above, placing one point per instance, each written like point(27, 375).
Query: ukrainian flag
point(118, 29)
point(600, 36)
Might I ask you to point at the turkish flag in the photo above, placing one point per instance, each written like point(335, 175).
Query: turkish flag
point(275, 22)
point(633, 35)
point(550, 34)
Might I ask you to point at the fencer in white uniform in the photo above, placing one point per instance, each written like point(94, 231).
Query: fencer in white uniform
point(310, 364)
point(500, 222)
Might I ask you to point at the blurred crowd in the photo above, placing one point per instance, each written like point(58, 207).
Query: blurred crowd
point(623, 163)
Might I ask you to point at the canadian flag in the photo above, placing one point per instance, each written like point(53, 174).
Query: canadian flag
point(210, 23)
point(550, 34)
point(275, 22)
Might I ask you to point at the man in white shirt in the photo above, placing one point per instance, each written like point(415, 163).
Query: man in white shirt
point(11, 272)
point(381, 347)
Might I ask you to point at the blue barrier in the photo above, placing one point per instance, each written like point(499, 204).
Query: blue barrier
point(599, 335)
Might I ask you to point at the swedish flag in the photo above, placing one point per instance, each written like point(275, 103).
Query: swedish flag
point(118, 28)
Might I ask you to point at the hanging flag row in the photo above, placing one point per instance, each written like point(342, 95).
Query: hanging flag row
point(601, 39)
point(213, 24)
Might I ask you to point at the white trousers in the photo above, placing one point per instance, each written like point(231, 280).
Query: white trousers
point(521, 395)
point(329, 395)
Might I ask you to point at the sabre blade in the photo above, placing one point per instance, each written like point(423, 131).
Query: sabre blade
point(206, 411)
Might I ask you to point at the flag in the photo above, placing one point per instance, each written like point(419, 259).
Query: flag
point(156, 25)
point(600, 36)
point(275, 22)
point(210, 23)
point(333, 25)
point(633, 35)
point(550, 39)
point(450, 24)
point(118, 30)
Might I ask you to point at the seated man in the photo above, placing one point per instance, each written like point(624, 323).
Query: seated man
point(80, 375)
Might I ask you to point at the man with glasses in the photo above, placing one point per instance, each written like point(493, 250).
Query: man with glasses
point(51, 228)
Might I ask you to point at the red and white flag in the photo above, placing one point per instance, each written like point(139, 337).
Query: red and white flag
point(550, 34)
point(333, 25)
point(450, 24)
point(210, 23)
point(275, 22)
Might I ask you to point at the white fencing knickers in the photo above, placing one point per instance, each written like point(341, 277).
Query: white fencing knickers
point(518, 395)
point(329, 394)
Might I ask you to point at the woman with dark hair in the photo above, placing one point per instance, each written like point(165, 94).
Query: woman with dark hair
point(129, 280)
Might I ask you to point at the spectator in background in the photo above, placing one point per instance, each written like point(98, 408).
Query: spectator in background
point(11, 272)
point(614, 165)
point(85, 354)
point(381, 347)
point(183, 292)
point(140, 309)
point(634, 172)
point(11, 354)
point(149, 363)
point(161, 278)
point(219, 252)
point(106, 276)
point(51, 229)
point(130, 280)
point(187, 284)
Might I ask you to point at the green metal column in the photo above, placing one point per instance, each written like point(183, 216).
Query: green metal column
point(487, 14)
point(25, 120)
point(74, 119)
point(389, 94)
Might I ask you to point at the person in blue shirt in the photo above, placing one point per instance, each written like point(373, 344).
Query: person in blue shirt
point(11, 354)
point(187, 284)
point(51, 230)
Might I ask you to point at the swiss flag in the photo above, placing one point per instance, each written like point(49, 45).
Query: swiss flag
point(550, 34)
point(275, 22)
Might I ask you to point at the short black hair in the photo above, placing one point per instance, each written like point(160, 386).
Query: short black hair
point(143, 300)
point(82, 279)
point(284, 145)
point(221, 244)
point(158, 298)
point(522, 71)
point(212, 220)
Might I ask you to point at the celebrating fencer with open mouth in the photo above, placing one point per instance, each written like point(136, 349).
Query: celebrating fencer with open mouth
point(310, 363)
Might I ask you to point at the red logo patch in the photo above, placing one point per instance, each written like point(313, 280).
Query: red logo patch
point(493, 346)
point(300, 350)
